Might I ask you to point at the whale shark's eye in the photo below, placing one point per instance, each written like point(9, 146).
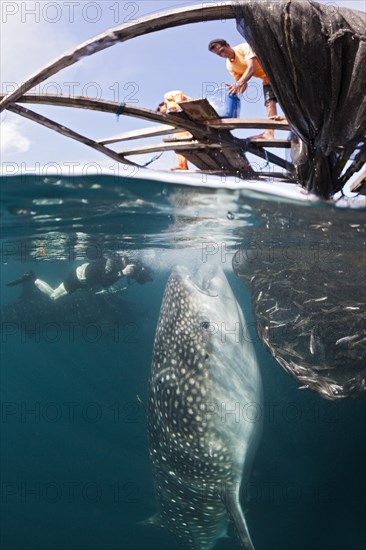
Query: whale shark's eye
point(205, 325)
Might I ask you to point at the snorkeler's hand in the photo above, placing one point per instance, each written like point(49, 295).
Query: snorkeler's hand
point(128, 270)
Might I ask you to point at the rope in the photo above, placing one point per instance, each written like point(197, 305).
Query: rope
point(120, 110)
point(267, 161)
point(156, 157)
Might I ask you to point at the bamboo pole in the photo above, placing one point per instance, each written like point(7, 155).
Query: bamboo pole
point(35, 117)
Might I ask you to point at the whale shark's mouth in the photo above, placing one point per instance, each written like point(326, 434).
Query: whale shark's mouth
point(205, 281)
point(206, 288)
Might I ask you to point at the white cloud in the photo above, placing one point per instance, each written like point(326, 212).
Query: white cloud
point(12, 140)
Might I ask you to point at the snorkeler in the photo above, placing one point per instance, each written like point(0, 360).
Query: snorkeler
point(104, 272)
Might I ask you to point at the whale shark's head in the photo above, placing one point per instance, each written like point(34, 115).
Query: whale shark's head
point(207, 291)
point(206, 297)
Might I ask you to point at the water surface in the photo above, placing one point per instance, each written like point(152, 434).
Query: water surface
point(74, 461)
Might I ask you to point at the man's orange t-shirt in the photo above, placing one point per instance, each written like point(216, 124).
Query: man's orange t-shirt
point(243, 52)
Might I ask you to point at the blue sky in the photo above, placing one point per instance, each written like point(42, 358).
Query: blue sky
point(139, 71)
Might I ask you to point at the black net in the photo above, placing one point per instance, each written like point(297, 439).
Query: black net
point(315, 58)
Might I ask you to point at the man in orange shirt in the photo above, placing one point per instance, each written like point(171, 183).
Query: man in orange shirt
point(242, 64)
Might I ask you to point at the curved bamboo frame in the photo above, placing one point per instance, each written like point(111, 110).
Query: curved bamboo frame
point(122, 33)
point(215, 135)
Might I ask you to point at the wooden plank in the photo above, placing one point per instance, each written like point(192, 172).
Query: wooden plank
point(212, 172)
point(201, 159)
point(274, 176)
point(277, 143)
point(198, 109)
point(229, 159)
point(244, 123)
point(140, 134)
point(185, 146)
point(151, 23)
point(177, 139)
point(232, 158)
point(221, 161)
point(235, 159)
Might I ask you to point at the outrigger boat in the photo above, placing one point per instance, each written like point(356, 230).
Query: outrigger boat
point(325, 108)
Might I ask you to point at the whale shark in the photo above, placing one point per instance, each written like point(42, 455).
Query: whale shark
point(204, 409)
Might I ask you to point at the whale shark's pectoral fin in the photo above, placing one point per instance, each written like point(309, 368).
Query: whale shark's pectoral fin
point(237, 517)
point(154, 520)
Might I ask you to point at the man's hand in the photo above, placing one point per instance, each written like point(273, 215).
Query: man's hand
point(128, 270)
point(237, 88)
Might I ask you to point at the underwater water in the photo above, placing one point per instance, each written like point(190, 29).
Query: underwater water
point(75, 466)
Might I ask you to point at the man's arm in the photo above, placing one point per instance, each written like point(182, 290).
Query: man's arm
point(127, 271)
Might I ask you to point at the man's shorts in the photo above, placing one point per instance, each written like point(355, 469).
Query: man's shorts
point(72, 283)
point(268, 94)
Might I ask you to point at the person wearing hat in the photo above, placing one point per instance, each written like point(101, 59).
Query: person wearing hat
point(171, 104)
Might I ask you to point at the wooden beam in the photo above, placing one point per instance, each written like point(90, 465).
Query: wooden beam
point(101, 105)
point(140, 134)
point(31, 115)
point(243, 123)
point(185, 146)
point(276, 143)
point(177, 139)
point(275, 176)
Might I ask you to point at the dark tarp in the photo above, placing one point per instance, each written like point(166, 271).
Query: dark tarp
point(315, 58)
